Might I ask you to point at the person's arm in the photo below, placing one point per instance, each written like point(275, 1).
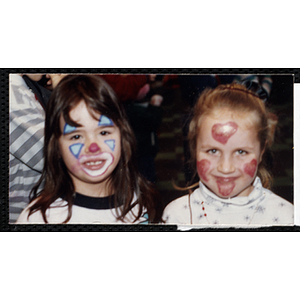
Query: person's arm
point(26, 119)
point(54, 79)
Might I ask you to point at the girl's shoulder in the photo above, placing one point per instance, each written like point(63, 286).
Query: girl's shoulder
point(280, 210)
point(55, 214)
point(275, 200)
point(177, 211)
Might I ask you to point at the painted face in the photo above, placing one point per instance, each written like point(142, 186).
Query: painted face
point(228, 154)
point(91, 151)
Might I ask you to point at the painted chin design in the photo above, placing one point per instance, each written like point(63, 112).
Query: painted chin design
point(96, 165)
point(226, 185)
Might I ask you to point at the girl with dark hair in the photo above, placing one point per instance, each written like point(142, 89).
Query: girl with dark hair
point(90, 173)
point(229, 134)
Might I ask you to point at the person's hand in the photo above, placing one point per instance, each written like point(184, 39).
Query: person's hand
point(152, 77)
point(54, 79)
point(156, 100)
point(35, 77)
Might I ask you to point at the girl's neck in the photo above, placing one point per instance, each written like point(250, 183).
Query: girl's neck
point(93, 191)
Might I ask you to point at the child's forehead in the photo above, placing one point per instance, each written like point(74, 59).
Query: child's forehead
point(80, 111)
point(81, 107)
point(242, 119)
point(86, 118)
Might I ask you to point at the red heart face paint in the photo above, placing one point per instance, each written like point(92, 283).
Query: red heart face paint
point(222, 132)
point(226, 185)
point(228, 153)
point(250, 168)
point(202, 167)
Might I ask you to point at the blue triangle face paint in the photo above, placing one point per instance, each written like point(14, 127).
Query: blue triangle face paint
point(111, 144)
point(68, 129)
point(75, 149)
point(105, 121)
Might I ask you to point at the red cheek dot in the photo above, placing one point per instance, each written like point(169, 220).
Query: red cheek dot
point(250, 168)
point(202, 168)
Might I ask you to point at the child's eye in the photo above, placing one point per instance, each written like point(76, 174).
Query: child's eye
point(75, 137)
point(212, 151)
point(104, 132)
point(241, 152)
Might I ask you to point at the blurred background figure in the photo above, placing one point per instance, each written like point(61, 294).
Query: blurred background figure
point(260, 84)
point(145, 115)
point(28, 97)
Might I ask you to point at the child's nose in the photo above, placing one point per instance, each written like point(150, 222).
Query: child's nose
point(226, 165)
point(93, 148)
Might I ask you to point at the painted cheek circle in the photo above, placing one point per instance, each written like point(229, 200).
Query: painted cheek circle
point(250, 168)
point(202, 167)
point(222, 132)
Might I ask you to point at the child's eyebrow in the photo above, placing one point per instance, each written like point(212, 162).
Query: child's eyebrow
point(208, 146)
point(244, 148)
point(106, 126)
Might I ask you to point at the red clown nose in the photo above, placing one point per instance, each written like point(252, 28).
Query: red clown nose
point(94, 148)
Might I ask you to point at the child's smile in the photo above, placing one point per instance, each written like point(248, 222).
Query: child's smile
point(96, 165)
point(90, 151)
point(228, 154)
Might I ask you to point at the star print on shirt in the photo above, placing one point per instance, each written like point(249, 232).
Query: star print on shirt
point(261, 209)
point(209, 200)
point(275, 219)
point(200, 217)
point(247, 218)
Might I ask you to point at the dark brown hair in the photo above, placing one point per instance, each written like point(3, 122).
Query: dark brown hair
point(239, 100)
point(125, 181)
